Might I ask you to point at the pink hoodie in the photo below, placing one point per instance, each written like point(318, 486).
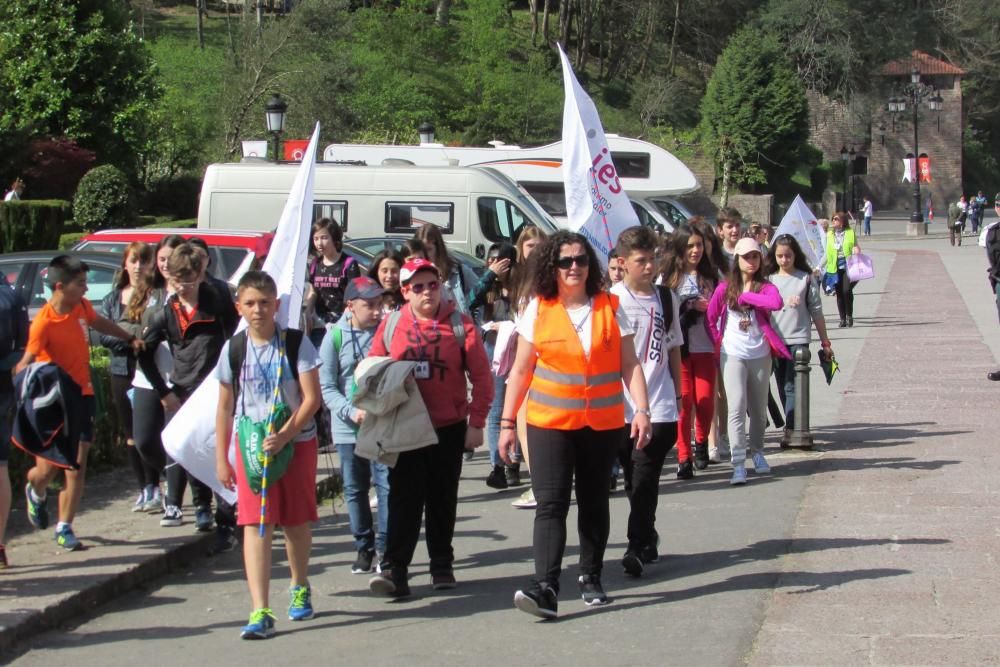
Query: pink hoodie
point(444, 392)
point(763, 302)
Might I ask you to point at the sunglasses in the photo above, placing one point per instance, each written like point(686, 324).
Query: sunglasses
point(579, 260)
point(419, 288)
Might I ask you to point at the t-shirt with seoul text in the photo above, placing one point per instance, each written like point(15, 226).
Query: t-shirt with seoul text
point(653, 340)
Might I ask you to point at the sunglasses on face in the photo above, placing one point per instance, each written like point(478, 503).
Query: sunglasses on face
point(579, 260)
point(419, 288)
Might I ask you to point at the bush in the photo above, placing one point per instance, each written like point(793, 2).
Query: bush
point(103, 199)
point(32, 224)
point(67, 241)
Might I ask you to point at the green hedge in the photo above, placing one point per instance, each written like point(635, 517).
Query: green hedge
point(108, 449)
point(32, 224)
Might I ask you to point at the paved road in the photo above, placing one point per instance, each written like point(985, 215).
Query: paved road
point(761, 573)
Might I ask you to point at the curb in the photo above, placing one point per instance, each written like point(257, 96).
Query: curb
point(101, 592)
point(131, 577)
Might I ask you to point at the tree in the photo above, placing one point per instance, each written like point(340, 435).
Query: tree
point(754, 115)
point(75, 68)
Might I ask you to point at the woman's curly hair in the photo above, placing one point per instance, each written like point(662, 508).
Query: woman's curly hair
point(547, 273)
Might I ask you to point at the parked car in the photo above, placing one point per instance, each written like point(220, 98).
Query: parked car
point(375, 245)
point(26, 273)
point(233, 252)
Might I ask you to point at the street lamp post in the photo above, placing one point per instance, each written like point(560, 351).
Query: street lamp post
point(275, 114)
point(844, 157)
point(426, 133)
point(914, 92)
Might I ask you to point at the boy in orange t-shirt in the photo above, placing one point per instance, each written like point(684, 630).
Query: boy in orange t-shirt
point(58, 335)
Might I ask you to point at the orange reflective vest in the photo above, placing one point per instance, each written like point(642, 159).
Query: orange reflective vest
point(570, 390)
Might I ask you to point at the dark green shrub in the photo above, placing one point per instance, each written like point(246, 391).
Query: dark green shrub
point(67, 241)
point(103, 199)
point(33, 224)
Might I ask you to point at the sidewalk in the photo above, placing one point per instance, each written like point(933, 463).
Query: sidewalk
point(47, 586)
point(893, 555)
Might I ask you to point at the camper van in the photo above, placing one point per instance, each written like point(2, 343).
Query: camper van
point(473, 206)
point(651, 175)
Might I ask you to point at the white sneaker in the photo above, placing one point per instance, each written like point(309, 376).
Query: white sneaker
point(154, 502)
point(739, 475)
point(713, 455)
point(172, 517)
point(760, 465)
point(140, 502)
point(526, 501)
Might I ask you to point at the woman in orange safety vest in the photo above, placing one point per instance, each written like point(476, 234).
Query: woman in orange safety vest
point(574, 350)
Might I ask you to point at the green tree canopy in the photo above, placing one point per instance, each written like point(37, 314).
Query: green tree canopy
point(754, 115)
point(75, 68)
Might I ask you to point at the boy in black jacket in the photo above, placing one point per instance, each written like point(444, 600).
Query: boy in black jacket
point(195, 321)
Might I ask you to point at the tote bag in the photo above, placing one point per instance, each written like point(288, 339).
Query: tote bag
point(860, 267)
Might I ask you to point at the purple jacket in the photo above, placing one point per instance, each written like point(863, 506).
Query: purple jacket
point(763, 302)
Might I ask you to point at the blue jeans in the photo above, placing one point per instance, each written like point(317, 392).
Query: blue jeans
point(359, 475)
point(784, 373)
point(868, 225)
point(496, 408)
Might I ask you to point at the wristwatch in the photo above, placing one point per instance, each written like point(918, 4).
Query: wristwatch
point(644, 411)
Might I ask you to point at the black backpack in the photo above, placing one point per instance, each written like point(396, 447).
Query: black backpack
point(238, 354)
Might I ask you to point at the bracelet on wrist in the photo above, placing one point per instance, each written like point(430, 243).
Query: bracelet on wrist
point(508, 428)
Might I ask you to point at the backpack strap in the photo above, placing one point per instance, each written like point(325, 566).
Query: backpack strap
point(667, 303)
point(348, 260)
point(458, 328)
point(338, 340)
point(390, 329)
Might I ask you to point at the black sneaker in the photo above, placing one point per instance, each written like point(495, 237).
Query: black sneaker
point(443, 581)
point(497, 479)
point(389, 582)
point(539, 600)
point(225, 540)
point(632, 564)
point(649, 554)
point(513, 474)
point(363, 563)
point(685, 470)
point(591, 590)
point(701, 455)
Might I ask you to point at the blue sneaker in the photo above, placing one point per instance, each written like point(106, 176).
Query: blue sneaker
point(67, 540)
point(38, 513)
point(739, 475)
point(203, 521)
point(300, 608)
point(261, 625)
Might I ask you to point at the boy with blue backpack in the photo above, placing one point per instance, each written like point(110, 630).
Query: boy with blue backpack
point(344, 346)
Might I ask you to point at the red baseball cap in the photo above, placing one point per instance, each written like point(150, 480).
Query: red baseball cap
point(414, 266)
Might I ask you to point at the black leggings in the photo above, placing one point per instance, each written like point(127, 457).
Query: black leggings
point(146, 473)
point(556, 456)
point(642, 482)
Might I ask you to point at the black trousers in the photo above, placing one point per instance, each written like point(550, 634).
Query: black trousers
point(556, 458)
point(642, 482)
point(845, 295)
point(423, 485)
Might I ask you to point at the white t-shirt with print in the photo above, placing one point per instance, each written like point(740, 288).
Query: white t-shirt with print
point(259, 374)
point(579, 317)
point(652, 343)
point(739, 344)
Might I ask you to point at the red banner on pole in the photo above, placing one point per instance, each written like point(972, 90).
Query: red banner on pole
point(925, 169)
point(294, 149)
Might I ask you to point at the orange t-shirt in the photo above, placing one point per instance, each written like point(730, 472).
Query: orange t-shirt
point(62, 339)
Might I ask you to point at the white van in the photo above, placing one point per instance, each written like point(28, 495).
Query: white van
point(651, 175)
point(473, 206)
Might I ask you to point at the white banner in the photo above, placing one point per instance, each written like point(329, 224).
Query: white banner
point(189, 438)
point(255, 148)
point(800, 223)
point(909, 169)
point(596, 204)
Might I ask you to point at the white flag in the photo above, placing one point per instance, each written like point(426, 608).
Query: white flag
point(189, 438)
point(596, 204)
point(800, 223)
point(909, 169)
